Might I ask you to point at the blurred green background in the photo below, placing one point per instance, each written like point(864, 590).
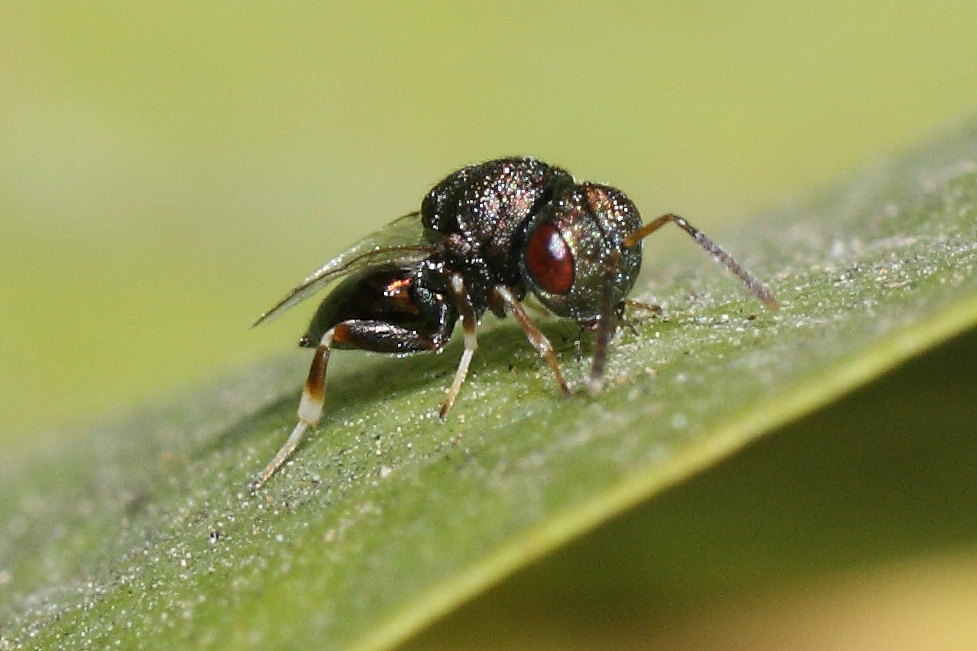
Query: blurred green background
point(167, 170)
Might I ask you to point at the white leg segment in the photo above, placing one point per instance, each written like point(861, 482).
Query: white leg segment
point(468, 322)
point(310, 410)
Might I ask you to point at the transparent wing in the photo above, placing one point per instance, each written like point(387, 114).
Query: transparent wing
point(400, 241)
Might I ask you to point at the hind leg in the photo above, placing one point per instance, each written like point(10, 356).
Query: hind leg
point(378, 336)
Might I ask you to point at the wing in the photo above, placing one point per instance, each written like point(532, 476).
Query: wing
point(400, 241)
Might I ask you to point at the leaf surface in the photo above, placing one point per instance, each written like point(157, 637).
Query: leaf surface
point(141, 532)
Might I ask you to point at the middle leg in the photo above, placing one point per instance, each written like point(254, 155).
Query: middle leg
point(469, 321)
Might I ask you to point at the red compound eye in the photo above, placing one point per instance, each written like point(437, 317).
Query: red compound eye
point(548, 260)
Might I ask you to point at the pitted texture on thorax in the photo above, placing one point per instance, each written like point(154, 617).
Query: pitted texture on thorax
point(488, 206)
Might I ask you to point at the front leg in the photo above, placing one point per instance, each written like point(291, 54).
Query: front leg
point(533, 334)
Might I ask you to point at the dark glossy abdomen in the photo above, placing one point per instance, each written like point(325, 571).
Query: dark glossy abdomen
point(386, 294)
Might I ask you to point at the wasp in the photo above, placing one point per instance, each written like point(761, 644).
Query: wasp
point(485, 237)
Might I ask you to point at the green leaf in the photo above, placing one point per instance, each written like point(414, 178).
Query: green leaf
point(142, 533)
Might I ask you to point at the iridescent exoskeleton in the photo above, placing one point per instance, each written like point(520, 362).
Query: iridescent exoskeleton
point(485, 236)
